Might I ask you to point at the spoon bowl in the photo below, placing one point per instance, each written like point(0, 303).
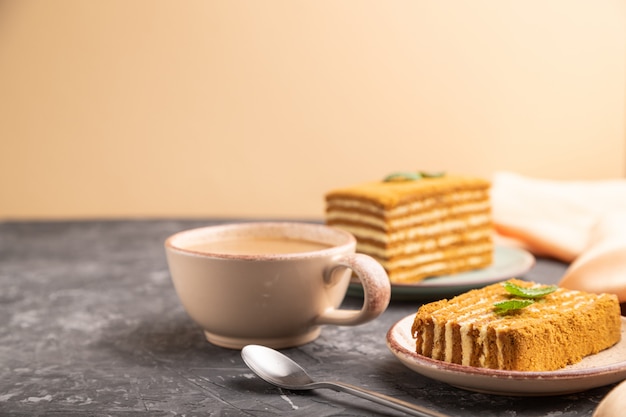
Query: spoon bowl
point(277, 369)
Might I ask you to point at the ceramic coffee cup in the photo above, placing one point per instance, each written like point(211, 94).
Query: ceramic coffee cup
point(272, 284)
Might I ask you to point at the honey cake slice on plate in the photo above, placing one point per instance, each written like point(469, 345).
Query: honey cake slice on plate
point(555, 330)
point(418, 226)
point(603, 368)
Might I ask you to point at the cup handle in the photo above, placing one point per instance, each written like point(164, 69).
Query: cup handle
point(376, 291)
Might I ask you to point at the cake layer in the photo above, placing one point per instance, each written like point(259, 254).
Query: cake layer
point(370, 211)
point(417, 258)
point(411, 195)
point(425, 250)
point(481, 227)
point(418, 272)
point(555, 331)
point(452, 253)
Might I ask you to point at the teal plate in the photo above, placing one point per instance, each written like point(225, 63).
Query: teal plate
point(508, 262)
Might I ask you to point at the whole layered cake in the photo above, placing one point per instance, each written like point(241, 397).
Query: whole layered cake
point(418, 225)
point(514, 326)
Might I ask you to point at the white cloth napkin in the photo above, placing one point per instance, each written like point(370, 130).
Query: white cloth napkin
point(579, 222)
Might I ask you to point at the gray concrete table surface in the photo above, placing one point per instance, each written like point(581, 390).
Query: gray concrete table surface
point(91, 326)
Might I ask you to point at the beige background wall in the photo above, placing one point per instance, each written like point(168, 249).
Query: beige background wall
point(256, 108)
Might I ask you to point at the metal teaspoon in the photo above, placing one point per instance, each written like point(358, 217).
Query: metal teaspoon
point(277, 369)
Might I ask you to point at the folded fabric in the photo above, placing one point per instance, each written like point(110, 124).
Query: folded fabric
point(614, 404)
point(579, 222)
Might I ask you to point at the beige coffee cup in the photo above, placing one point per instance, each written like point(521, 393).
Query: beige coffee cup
point(271, 284)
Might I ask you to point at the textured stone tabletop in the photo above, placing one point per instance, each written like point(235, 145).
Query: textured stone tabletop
point(91, 326)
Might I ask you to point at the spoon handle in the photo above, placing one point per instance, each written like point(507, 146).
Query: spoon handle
point(411, 409)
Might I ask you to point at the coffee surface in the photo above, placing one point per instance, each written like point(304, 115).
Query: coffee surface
point(258, 246)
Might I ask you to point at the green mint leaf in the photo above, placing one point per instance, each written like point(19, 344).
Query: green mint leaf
point(426, 174)
point(403, 176)
point(413, 176)
point(528, 292)
point(506, 306)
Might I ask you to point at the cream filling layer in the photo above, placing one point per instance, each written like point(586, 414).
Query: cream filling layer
point(387, 221)
point(436, 337)
point(425, 245)
point(434, 268)
point(467, 346)
point(416, 232)
point(444, 256)
point(415, 206)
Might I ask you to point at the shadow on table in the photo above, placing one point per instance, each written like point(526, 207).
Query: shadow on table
point(158, 338)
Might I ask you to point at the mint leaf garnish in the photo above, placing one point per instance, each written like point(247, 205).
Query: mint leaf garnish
point(528, 292)
point(403, 176)
point(412, 176)
point(528, 296)
point(426, 174)
point(503, 307)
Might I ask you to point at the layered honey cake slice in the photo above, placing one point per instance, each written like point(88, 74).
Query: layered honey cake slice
point(418, 225)
point(512, 326)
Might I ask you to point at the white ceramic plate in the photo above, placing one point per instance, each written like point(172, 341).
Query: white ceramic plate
point(508, 262)
point(604, 368)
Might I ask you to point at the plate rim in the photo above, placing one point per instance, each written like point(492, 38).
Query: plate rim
point(527, 262)
point(435, 287)
point(446, 368)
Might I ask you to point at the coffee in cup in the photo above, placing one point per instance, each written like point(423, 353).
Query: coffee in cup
point(271, 283)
